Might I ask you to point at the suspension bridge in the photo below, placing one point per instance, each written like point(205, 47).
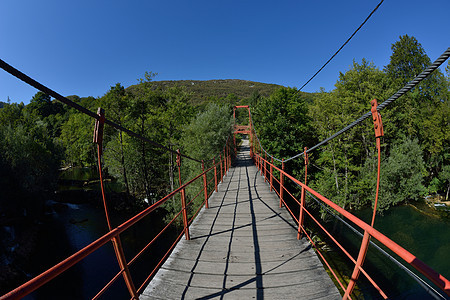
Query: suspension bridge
point(244, 241)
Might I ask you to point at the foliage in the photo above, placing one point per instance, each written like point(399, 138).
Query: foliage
point(424, 112)
point(444, 176)
point(283, 124)
point(408, 59)
point(29, 162)
point(76, 138)
point(343, 159)
point(206, 135)
point(402, 175)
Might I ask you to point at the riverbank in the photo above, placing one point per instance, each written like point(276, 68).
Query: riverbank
point(427, 208)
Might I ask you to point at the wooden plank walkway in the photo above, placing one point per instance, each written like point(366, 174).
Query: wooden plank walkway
point(243, 247)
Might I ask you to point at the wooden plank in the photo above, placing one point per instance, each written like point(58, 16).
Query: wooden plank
point(244, 246)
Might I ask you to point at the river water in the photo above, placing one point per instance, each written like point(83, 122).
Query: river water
point(424, 235)
point(69, 227)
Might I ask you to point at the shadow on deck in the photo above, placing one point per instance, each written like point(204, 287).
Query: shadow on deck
point(244, 246)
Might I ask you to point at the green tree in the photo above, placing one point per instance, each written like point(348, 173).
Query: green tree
point(11, 114)
point(408, 60)
point(444, 176)
point(402, 175)
point(144, 110)
point(116, 102)
point(343, 159)
point(176, 115)
point(203, 139)
point(29, 169)
point(423, 112)
point(76, 138)
point(41, 104)
point(205, 136)
point(283, 125)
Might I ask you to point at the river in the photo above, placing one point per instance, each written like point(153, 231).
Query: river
point(68, 227)
point(424, 235)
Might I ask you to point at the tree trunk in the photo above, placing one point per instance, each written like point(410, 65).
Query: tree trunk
point(171, 169)
point(124, 171)
point(346, 173)
point(144, 168)
point(448, 190)
point(335, 171)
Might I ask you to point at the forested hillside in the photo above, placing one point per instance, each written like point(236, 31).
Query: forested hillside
point(203, 91)
point(44, 136)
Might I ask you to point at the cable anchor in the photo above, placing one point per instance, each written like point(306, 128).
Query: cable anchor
point(98, 130)
point(306, 157)
point(376, 117)
point(178, 158)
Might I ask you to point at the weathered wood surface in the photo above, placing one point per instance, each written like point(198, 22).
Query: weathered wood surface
point(243, 247)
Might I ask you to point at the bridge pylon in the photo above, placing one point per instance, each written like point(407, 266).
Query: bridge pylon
point(241, 129)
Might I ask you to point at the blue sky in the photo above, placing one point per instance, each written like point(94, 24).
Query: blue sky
point(84, 47)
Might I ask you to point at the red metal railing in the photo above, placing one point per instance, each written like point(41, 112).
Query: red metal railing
point(114, 233)
point(267, 168)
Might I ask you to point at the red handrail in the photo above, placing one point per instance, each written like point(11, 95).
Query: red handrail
point(438, 279)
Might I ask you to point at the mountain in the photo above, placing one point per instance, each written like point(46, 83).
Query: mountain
point(203, 90)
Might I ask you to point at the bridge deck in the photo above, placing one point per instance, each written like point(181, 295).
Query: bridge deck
point(244, 246)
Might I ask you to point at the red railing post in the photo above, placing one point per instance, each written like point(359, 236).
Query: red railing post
point(251, 143)
point(261, 161)
point(378, 126)
point(221, 170)
point(302, 201)
point(258, 159)
point(205, 186)
point(265, 166)
point(228, 157)
point(271, 175)
point(281, 183)
point(215, 174)
point(117, 245)
point(230, 153)
point(183, 198)
point(224, 160)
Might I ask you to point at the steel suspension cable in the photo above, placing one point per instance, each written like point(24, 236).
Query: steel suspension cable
point(409, 86)
point(343, 45)
point(27, 79)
